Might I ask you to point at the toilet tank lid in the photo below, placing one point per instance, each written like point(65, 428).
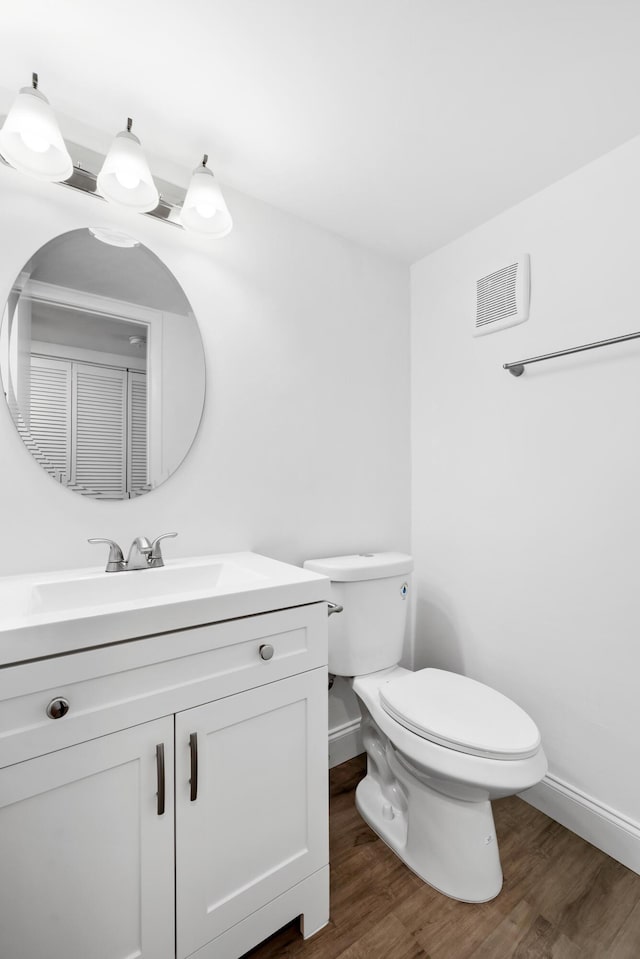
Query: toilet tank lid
point(361, 566)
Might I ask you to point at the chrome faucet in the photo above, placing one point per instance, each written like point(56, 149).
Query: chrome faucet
point(142, 554)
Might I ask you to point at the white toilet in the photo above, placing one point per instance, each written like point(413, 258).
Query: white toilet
point(440, 746)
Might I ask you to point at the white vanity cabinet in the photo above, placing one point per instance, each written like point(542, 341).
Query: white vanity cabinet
point(97, 861)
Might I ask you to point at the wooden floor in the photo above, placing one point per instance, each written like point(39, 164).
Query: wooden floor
point(562, 898)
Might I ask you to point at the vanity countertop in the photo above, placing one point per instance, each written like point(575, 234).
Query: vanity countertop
point(52, 613)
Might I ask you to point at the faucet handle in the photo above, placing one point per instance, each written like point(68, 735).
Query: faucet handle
point(116, 559)
point(156, 553)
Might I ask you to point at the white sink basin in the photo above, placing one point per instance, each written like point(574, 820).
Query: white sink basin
point(45, 614)
point(159, 585)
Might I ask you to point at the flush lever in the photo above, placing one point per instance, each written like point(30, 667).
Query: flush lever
point(334, 608)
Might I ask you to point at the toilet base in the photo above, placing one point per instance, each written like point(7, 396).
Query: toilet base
point(449, 843)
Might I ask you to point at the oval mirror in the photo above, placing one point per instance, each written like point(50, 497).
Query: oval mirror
point(102, 364)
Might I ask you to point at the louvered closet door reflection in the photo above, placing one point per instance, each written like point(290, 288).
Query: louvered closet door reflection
point(137, 468)
point(100, 430)
point(47, 434)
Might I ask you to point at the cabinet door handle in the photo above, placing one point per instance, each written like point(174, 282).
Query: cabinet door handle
point(161, 778)
point(193, 748)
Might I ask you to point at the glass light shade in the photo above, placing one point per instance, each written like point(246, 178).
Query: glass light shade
point(204, 210)
point(125, 177)
point(30, 139)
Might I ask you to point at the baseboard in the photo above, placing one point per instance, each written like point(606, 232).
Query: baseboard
point(345, 742)
point(600, 825)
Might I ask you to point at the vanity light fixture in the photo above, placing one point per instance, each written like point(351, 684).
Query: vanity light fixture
point(125, 177)
point(204, 210)
point(30, 139)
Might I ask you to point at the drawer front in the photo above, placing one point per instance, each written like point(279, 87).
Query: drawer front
point(117, 686)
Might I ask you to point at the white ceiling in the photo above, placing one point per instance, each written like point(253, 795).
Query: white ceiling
point(399, 124)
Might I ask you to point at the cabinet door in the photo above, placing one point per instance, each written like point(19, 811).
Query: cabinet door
point(258, 822)
point(86, 862)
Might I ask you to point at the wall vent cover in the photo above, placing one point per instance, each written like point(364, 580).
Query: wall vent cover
point(502, 297)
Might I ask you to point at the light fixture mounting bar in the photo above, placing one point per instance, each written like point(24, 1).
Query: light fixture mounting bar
point(84, 181)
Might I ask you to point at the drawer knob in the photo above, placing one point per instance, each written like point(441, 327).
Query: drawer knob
point(266, 651)
point(58, 708)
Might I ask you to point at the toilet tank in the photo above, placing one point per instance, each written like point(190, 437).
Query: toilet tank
point(373, 589)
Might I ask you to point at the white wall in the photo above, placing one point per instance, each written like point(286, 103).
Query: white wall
point(303, 449)
point(526, 520)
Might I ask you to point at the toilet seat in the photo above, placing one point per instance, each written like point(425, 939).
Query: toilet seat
point(459, 713)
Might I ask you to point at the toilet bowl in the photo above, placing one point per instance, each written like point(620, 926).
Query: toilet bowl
point(440, 746)
point(431, 801)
